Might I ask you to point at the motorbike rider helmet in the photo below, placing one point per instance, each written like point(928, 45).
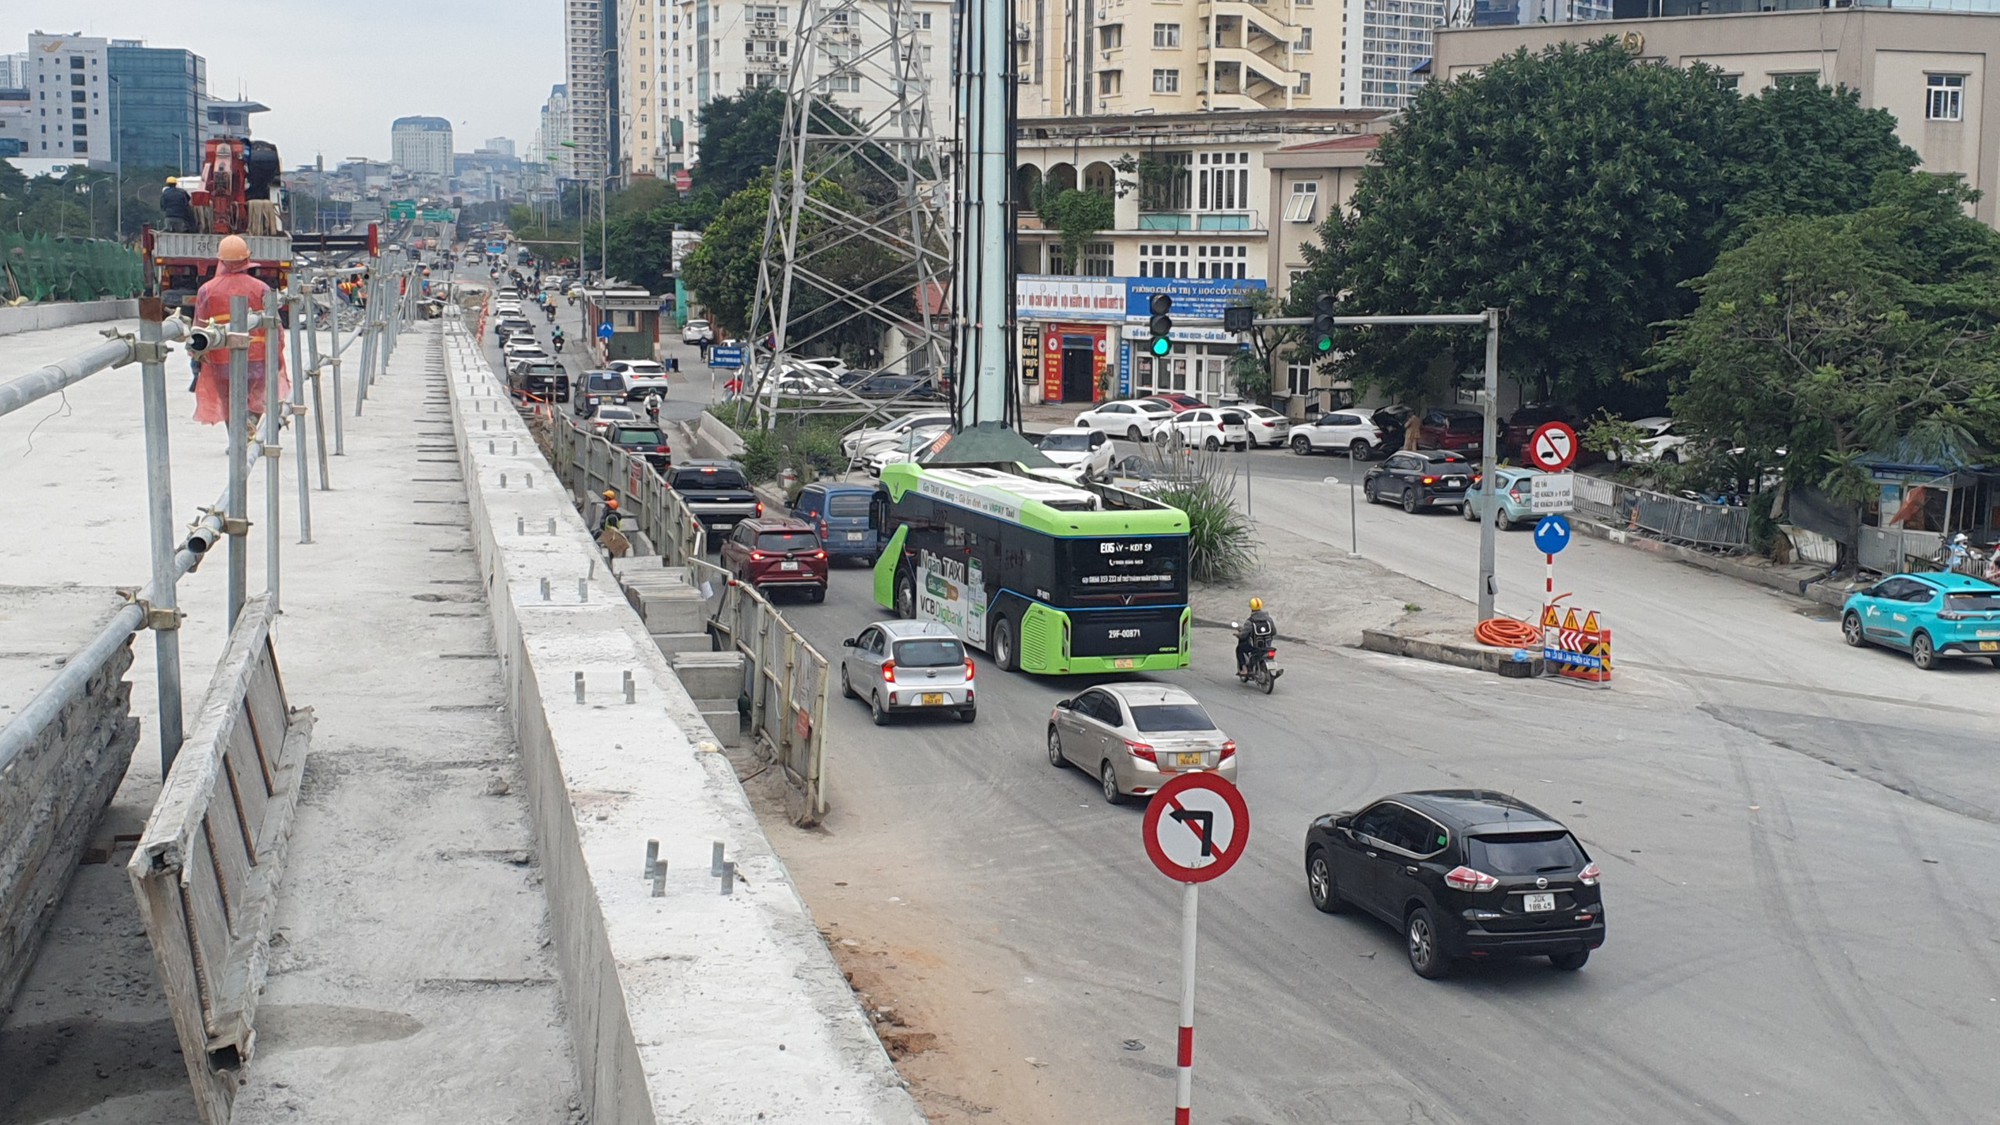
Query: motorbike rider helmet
point(1256, 604)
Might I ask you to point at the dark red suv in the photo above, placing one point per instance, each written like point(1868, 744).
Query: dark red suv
point(777, 554)
point(1456, 430)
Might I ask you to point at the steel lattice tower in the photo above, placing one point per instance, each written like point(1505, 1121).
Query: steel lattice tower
point(857, 242)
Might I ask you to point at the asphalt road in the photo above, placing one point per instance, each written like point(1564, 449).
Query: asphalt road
point(1798, 840)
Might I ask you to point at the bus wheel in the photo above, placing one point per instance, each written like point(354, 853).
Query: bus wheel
point(1001, 644)
point(906, 595)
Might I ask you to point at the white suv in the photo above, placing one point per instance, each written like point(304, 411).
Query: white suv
point(1338, 431)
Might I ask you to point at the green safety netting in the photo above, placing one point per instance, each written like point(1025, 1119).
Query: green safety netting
point(39, 268)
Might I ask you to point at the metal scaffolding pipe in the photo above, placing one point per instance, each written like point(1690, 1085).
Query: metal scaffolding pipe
point(48, 379)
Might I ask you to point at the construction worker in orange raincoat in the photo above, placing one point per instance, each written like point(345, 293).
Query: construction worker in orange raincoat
point(211, 304)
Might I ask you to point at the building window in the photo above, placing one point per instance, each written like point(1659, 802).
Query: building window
point(1108, 82)
point(1298, 377)
point(1305, 85)
point(1111, 37)
point(923, 21)
point(1163, 259)
point(1305, 39)
point(1166, 35)
point(1223, 181)
point(76, 62)
point(79, 130)
point(1944, 97)
point(1223, 261)
point(1166, 82)
point(76, 95)
point(1304, 200)
point(1097, 259)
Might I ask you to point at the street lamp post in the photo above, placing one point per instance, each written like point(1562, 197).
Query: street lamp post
point(117, 160)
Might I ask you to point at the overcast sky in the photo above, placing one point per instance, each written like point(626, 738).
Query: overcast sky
point(336, 72)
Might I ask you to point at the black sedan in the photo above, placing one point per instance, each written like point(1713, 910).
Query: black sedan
point(1464, 873)
point(1420, 478)
point(642, 441)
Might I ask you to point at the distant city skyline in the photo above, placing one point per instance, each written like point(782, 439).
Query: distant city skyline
point(337, 96)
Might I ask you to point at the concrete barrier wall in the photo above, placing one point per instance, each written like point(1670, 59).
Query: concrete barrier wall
point(690, 1007)
point(62, 314)
point(718, 435)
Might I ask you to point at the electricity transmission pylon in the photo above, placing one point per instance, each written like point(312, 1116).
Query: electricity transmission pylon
point(857, 241)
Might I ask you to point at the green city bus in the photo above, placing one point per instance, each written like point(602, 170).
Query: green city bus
point(1043, 576)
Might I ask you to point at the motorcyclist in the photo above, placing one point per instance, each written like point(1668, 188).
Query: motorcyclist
point(653, 407)
point(556, 337)
point(1255, 634)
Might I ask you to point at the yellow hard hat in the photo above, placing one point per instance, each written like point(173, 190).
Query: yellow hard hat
point(233, 249)
point(173, 181)
point(1256, 604)
point(611, 494)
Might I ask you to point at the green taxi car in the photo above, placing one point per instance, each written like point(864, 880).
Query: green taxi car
point(1929, 616)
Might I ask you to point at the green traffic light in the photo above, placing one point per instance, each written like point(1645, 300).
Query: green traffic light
point(1162, 345)
point(1324, 343)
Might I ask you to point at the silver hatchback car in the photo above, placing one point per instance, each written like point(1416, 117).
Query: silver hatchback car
point(1135, 737)
point(896, 666)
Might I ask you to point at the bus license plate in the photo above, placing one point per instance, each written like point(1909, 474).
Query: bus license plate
point(1125, 662)
point(1188, 760)
point(1536, 904)
point(936, 699)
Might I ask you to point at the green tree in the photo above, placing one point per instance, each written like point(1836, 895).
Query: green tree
point(739, 139)
point(722, 271)
point(1830, 337)
point(1812, 150)
point(1077, 215)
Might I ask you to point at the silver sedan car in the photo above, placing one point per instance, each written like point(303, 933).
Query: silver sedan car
point(1136, 736)
point(897, 666)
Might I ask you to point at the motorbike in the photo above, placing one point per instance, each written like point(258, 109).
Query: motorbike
point(1258, 671)
point(557, 343)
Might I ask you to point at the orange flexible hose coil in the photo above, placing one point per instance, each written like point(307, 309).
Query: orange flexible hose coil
point(1506, 632)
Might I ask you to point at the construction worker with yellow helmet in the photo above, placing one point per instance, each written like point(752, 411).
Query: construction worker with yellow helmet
point(1256, 632)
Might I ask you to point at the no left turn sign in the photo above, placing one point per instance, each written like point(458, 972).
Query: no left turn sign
point(1196, 827)
point(1553, 447)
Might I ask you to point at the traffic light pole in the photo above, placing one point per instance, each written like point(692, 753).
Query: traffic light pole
point(1489, 320)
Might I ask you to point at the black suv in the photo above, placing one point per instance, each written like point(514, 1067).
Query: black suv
point(1465, 873)
point(1421, 477)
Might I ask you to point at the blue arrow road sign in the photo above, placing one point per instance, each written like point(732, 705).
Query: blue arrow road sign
point(1551, 535)
point(725, 357)
point(604, 331)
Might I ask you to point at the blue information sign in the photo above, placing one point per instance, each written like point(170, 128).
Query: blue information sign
point(1551, 535)
point(604, 331)
point(725, 357)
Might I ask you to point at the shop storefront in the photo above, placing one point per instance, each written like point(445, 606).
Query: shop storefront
point(1069, 337)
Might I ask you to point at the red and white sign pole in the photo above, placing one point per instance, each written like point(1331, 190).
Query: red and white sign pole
point(1195, 829)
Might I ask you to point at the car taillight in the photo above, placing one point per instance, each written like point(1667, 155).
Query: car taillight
point(661, 449)
point(1466, 879)
point(760, 507)
point(1950, 615)
point(1430, 480)
point(968, 669)
point(1517, 494)
point(1141, 751)
point(758, 556)
point(1589, 875)
point(888, 671)
point(1228, 750)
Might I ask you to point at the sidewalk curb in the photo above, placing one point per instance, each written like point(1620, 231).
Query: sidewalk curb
point(1484, 658)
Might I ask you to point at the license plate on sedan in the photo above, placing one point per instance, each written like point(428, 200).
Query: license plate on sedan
point(1189, 760)
point(934, 699)
point(1989, 646)
point(788, 566)
point(1537, 904)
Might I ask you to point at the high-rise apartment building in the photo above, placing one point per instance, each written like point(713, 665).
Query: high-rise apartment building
point(648, 95)
point(729, 46)
point(500, 145)
point(14, 71)
point(421, 146)
point(556, 157)
point(111, 100)
point(590, 43)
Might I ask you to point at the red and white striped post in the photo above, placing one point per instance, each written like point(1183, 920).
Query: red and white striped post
point(1184, 1057)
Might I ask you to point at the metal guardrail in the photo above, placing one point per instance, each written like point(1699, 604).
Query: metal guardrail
point(1673, 518)
point(788, 680)
point(1893, 549)
point(787, 677)
point(207, 867)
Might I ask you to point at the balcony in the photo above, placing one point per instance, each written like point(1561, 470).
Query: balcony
point(1200, 221)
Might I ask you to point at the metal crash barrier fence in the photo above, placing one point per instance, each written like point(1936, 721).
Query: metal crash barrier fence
point(590, 464)
point(1673, 518)
point(207, 867)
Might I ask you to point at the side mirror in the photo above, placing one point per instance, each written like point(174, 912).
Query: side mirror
point(848, 643)
point(1343, 823)
point(1063, 704)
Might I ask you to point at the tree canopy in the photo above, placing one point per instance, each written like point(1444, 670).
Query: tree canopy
point(739, 139)
point(722, 271)
point(1577, 189)
point(1833, 336)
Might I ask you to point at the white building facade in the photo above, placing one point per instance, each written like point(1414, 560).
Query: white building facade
point(585, 70)
point(421, 146)
point(69, 96)
point(648, 88)
point(550, 149)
